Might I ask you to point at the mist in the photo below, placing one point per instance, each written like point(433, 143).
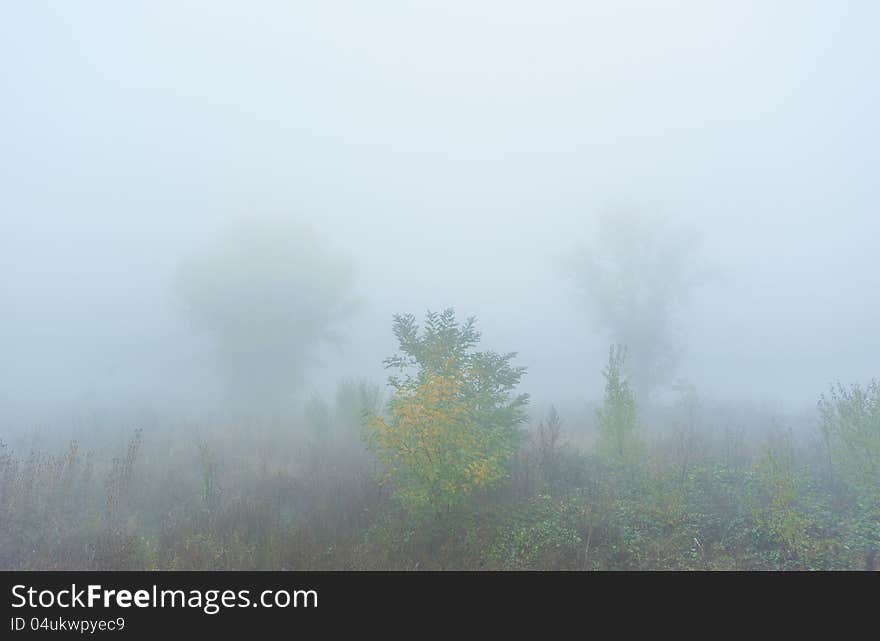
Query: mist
point(422, 157)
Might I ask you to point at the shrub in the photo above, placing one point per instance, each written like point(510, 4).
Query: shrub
point(544, 535)
point(850, 422)
point(777, 516)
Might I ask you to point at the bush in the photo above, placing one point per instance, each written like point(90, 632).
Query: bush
point(545, 534)
point(850, 421)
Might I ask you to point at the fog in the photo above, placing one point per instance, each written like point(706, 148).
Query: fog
point(455, 153)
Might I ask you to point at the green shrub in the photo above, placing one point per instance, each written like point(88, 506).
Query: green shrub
point(850, 422)
point(544, 534)
point(616, 418)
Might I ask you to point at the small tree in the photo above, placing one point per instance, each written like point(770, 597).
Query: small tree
point(850, 422)
point(616, 418)
point(453, 421)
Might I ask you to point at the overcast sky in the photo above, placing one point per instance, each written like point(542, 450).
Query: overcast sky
point(454, 150)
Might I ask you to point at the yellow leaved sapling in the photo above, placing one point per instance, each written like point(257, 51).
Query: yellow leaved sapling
point(453, 420)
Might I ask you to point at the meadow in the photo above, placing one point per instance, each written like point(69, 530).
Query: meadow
point(703, 487)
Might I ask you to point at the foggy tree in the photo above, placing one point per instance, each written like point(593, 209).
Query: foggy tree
point(633, 279)
point(548, 438)
point(616, 418)
point(453, 422)
point(850, 424)
point(268, 296)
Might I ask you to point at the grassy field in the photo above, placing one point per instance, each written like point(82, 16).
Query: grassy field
point(704, 492)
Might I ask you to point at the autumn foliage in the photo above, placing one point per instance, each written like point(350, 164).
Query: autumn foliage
point(452, 423)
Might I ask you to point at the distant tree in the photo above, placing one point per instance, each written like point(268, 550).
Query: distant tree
point(357, 401)
point(268, 296)
point(635, 276)
point(548, 435)
point(335, 430)
point(453, 421)
point(354, 404)
point(549, 431)
point(616, 418)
